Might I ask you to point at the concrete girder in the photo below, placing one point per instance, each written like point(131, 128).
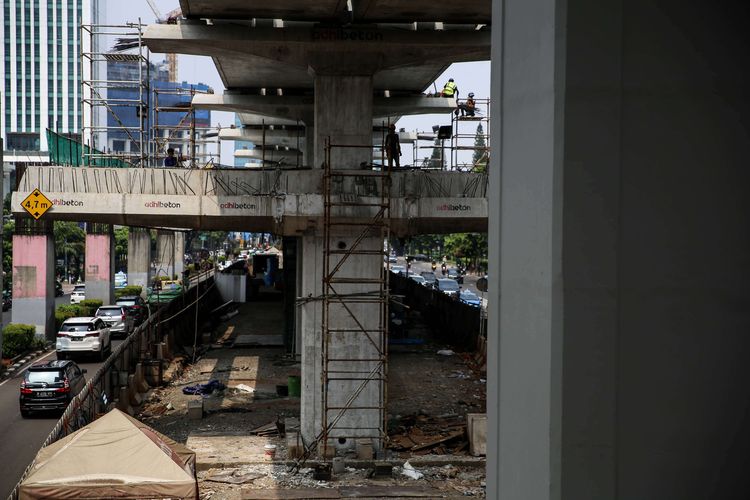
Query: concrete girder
point(471, 11)
point(281, 56)
point(301, 107)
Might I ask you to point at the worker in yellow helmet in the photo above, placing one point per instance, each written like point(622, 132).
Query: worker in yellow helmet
point(450, 89)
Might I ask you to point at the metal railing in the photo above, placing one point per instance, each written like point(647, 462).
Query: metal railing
point(95, 397)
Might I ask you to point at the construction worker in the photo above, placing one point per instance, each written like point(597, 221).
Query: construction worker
point(450, 89)
point(468, 107)
point(392, 147)
point(170, 160)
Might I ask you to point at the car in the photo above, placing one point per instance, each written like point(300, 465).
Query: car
point(419, 279)
point(469, 297)
point(429, 278)
point(138, 307)
point(7, 300)
point(448, 287)
point(50, 385)
point(455, 275)
point(392, 259)
point(117, 318)
point(78, 294)
point(58, 289)
point(400, 270)
point(84, 335)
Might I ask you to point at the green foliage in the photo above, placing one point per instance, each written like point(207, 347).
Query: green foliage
point(73, 309)
point(89, 306)
point(70, 241)
point(61, 316)
point(121, 247)
point(8, 229)
point(469, 247)
point(479, 159)
point(128, 290)
point(17, 339)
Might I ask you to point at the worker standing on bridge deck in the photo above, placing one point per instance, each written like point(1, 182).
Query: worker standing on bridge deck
point(392, 147)
point(170, 160)
point(450, 89)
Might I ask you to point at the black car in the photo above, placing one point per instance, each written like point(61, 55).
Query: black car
point(455, 275)
point(137, 307)
point(50, 386)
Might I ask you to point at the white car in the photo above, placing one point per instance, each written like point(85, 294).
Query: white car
point(78, 294)
point(83, 336)
point(419, 279)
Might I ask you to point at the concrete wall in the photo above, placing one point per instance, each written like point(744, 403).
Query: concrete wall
point(232, 286)
point(34, 282)
point(622, 242)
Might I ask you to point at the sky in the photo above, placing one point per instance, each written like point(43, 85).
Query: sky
point(470, 77)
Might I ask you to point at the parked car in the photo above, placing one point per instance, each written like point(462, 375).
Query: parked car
point(419, 279)
point(137, 306)
point(7, 300)
point(118, 319)
point(50, 385)
point(455, 275)
point(429, 278)
point(58, 289)
point(448, 287)
point(392, 259)
point(83, 336)
point(78, 294)
point(471, 298)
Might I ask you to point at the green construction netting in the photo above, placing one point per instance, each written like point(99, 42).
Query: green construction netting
point(66, 151)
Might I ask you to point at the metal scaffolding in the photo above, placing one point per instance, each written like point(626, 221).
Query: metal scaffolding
point(465, 140)
point(194, 142)
point(355, 307)
point(97, 103)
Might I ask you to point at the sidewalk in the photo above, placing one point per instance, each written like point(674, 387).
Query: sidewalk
point(429, 393)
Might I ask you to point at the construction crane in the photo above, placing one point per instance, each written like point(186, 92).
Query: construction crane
point(170, 19)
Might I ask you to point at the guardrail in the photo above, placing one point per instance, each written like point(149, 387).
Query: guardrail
point(98, 392)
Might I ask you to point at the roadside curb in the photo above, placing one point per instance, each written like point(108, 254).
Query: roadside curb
point(23, 361)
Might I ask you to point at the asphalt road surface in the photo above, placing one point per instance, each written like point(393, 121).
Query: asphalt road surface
point(21, 438)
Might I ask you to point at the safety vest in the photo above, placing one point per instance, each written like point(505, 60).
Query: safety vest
point(449, 89)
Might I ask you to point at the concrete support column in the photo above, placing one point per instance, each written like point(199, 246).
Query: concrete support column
point(289, 248)
point(34, 276)
point(165, 252)
point(179, 253)
point(100, 263)
point(308, 158)
point(343, 112)
point(347, 342)
point(139, 256)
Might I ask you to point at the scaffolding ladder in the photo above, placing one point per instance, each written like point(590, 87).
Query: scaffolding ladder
point(171, 102)
point(99, 93)
point(463, 140)
point(355, 307)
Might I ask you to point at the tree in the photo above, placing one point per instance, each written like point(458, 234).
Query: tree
point(471, 248)
point(479, 160)
point(121, 247)
point(70, 242)
point(8, 228)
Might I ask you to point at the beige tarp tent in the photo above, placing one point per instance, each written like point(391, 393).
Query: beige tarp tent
point(115, 456)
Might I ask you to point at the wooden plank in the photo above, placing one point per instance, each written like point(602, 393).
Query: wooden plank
point(439, 440)
point(390, 492)
point(296, 494)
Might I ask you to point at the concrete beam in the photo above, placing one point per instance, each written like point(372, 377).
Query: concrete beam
point(369, 11)
point(301, 108)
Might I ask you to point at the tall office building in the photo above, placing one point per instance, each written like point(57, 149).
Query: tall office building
point(40, 65)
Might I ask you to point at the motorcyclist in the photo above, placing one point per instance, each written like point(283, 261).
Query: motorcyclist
point(434, 265)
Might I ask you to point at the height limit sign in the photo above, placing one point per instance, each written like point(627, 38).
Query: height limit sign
point(36, 204)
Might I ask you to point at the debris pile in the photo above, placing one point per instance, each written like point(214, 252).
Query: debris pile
point(423, 434)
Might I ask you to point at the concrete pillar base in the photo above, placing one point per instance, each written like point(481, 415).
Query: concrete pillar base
point(100, 263)
point(33, 281)
point(133, 396)
point(140, 380)
point(123, 401)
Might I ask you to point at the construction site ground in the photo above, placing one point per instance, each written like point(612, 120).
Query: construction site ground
point(429, 394)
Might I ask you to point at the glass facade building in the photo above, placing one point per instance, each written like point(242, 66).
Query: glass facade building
point(40, 68)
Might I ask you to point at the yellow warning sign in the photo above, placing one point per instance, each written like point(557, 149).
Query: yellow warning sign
point(36, 204)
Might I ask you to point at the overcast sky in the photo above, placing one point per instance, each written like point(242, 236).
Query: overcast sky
point(470, 77)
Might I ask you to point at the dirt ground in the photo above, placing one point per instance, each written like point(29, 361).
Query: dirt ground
point(429, 397)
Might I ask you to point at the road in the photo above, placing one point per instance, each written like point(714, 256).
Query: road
point(470, 281)
point(21, 438)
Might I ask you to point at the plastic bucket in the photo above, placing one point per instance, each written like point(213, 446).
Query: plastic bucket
point(269, 451)
point(295, 386)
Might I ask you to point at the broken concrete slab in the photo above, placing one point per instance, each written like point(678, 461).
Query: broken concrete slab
point(476, 428)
